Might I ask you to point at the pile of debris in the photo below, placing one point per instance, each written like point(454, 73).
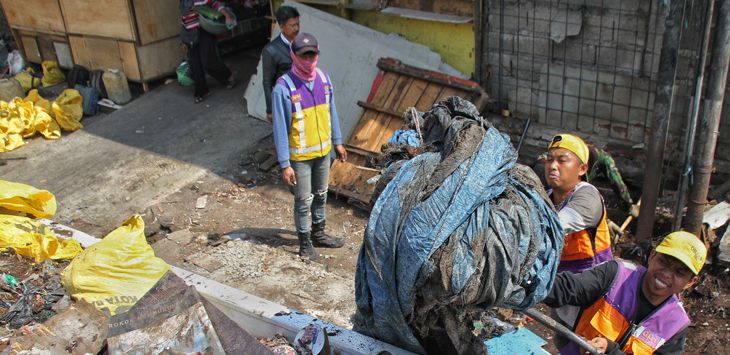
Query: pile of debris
point(455, 229)
point(29, 292)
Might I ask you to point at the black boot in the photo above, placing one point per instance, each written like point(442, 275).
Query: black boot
point(320, 239)
point(306, 248)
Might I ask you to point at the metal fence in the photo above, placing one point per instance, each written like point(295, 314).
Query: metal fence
point(587, 65)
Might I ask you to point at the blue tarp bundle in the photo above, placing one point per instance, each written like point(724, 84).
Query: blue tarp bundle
point(483, 235)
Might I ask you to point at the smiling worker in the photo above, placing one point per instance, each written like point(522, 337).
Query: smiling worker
point(629, 309)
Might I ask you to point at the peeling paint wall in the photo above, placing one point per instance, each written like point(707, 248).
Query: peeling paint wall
point(454, 42)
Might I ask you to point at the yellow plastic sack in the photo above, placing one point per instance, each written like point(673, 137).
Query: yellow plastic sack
point(27, 199)
point(43, 122)
point(67, 109)
point(34, 239)
point(117, 271)
point(52, 74)
point(27, 80)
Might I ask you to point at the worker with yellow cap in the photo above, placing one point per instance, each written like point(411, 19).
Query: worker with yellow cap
point(629, 309)
point(579, 204)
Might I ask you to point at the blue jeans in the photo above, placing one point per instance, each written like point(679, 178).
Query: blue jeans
point(310, 192)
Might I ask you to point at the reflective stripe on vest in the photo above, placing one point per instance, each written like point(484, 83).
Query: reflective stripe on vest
point(310, 133)
point(612, 316)
point(589, 247)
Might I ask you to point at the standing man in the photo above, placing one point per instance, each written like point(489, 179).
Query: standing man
point(275, 58)
point(579, 204)
point(202, 47)
point(629, 309)
point(305, 128)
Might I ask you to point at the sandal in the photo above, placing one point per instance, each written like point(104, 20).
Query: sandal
point(199, 99)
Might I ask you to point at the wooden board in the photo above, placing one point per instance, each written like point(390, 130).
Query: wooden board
point(30, 47)
point(35, 15)
point(393, 93)
point(96, 53)
point(105, 18)
point(156, 20)
point(159, 58)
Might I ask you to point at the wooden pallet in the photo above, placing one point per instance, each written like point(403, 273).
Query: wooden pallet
point(396, 88)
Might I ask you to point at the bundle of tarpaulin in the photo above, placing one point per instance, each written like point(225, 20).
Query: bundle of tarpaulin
point(457, 228)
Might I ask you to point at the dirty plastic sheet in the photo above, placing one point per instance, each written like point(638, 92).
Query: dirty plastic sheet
point(466, 219)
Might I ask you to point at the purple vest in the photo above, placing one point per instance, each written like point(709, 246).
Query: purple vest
point(657, 328)
point(311, 126)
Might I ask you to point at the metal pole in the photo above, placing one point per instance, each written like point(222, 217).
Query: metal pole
point(478, 48)
point(501, 54)
point(660, 120)
point(689, 137)
point(562, 330)
point(710, 119)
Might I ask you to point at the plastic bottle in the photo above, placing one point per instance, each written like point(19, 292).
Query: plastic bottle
point(10, 88)
point(117, 88)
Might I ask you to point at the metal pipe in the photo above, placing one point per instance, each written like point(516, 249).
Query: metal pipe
point(710, 119)
point(691, 133)
point(524, 133)
point(660, 121)
point(562, 330)
point(501, 54)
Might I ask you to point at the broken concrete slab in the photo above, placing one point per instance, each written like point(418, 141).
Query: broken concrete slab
point(349, 53)
point(181, 237)
point(208, 263)
point(81, 329)
point(201, 202)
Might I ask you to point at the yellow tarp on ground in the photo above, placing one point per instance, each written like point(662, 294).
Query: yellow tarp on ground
point(27, 199)
point(22, 118)
point(117, 271)
point(29, 237)
point(34, 239)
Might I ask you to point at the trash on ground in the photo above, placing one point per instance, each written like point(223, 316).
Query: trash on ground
point(29, 291)
point(80, 329)
point(172, 317)
point(116, 272)
point(27, 236)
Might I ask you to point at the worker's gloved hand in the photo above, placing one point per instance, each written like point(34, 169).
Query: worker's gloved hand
point(288, 176)
point(634, 211)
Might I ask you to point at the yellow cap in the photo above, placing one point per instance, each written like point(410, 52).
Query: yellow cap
point(571, 143)
point(686, 247)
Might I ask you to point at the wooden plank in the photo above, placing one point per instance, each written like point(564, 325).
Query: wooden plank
point(450, 92)
point(45, 46)
point(410, 99)
point(96, 53)
point(361, 134)
point(130, 62)
point(351, 180)
point(155, 20)
point(396, 96)
point(386, 85)
point(105, 18)
point(429, 97)
point(79, 51)
point(40, 15)
point(30, 47)
point(159, 58)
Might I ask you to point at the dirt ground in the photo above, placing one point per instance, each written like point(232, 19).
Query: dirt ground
point(244, 237)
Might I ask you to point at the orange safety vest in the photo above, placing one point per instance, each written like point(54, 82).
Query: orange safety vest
point(589, 247)
point(612, 317)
